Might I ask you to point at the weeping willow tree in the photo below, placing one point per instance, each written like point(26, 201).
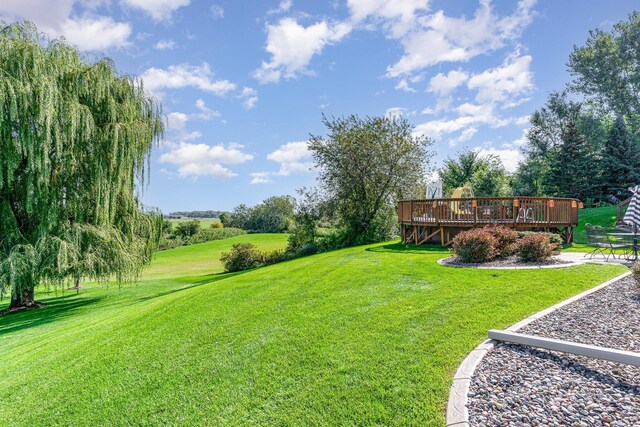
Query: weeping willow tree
point(75, 140)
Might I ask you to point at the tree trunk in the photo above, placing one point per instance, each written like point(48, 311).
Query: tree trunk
point(22, 299)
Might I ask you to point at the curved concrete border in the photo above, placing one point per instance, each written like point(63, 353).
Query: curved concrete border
point(457, 412)
point(520, 267)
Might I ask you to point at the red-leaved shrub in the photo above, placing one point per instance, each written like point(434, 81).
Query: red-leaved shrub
point(476, 245)
point(505, 240)
point(535, 247)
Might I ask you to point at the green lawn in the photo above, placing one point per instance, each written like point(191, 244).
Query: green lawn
point(363, 336)
point(605, 217)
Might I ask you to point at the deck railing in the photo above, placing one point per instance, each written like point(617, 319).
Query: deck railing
point(516, 211)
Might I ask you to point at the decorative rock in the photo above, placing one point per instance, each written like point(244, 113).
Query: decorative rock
point(515, 385)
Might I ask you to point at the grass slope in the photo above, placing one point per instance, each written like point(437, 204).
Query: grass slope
point(362, 336)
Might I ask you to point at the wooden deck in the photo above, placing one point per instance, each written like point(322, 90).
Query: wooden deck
point(439, 220)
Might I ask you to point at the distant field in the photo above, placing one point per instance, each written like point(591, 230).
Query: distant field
point(369, 335)
point(206, 222)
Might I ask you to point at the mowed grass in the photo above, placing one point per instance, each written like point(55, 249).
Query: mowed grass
point(604, 217)
point(363, 336)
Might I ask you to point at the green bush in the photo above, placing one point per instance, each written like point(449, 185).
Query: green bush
point(505, 240)
point(216, 224)
point(535, 247)
point(475, 245)
point(242, 256)
point(209, 234)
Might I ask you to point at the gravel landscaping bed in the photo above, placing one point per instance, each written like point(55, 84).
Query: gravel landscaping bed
point(511, 261)
point(520, 386)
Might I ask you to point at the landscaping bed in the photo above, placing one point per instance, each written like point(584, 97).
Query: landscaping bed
point(507, 262)
point(518, 385)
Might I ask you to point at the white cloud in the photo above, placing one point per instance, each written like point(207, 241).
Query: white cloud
point(292, 46)
point(217, 11)
point(464, 136)
point(87, 31)
point(203, 159)
point(439, 38)
point(165, 45)
point(260, 178)
point(293, 157)
point(511, 79)
point(468, 114)
point(444, 84)
point(204, 112)
point(397, 16)
point(185, 75)
point(176, 120)
point(159, 10)
point(96, 33)
point(283, 7)
point(509, 157)
point(404, 86)
point(249, 97)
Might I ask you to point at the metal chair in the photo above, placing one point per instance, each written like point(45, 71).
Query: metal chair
point(601, 241)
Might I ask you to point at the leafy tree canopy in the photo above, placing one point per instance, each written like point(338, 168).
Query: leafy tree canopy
point(75, 139)
point(364, 166)
point(484, 173)
point(607, 69)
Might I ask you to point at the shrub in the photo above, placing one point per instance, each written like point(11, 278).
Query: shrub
point(505, 240)
point(553, 237)
point(242, 256)
point(209, 234)
point(187, 229)
point(635, 271)
point(216, 224)
point(476, 245)
point(535, 247)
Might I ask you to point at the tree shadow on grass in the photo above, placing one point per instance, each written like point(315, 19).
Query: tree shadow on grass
point(408, 248)
point(191, 283)
point(57, 308)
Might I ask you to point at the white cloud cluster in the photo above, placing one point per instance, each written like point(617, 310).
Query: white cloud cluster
point(165, 45)
point(202, 159)
point(292, 46)
point(439, 38)
point(159, 10)
point(292, 157)
point(217, 11)
point(156, 80)
point(249, 97)
point(87, 31)
point(398, 17)
point(513, 78)
point(444, 84)
point(283, 7)
point(204, 112)
point(260, 178)
point(185, 75)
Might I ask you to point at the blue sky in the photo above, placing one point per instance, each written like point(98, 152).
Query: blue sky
point(243, 84)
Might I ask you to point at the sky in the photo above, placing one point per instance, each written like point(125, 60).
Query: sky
point(244, 83)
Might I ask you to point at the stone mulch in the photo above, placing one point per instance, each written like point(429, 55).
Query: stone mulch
point(520, 386)
point(508, 262)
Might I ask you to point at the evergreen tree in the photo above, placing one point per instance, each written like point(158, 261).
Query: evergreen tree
point(620, 160)
point(572, 167)
point(74, 144)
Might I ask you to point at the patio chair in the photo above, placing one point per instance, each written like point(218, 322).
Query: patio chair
point(602, 242)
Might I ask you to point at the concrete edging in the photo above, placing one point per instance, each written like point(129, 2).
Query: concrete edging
point(457, 412)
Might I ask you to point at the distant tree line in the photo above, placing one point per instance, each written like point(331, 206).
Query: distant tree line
point(197, 214)
point(273, 215)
